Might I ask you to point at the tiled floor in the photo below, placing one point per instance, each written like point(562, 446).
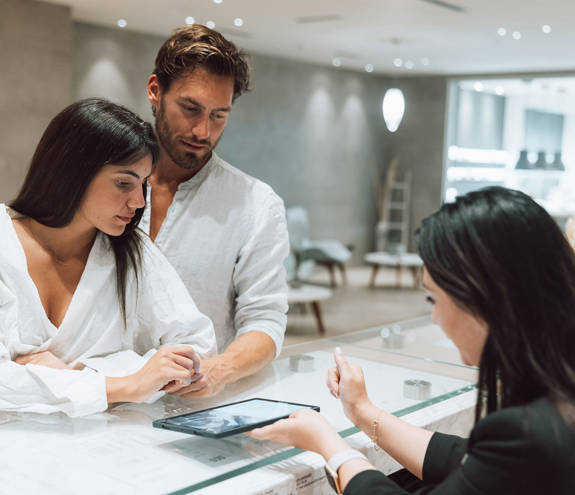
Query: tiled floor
point(355, 306)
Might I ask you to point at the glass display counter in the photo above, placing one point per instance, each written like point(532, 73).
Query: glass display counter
point(417, 338)
point(119, 452)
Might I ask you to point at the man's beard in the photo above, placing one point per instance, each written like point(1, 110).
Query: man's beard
point(169, 141)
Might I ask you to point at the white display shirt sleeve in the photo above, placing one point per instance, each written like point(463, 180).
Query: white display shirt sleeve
point(259, 276)
point(40, 389)
point(166, 313)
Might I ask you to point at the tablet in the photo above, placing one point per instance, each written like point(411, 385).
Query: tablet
point(230, 419)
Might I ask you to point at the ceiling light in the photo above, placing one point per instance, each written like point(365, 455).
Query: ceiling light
point(368, 68)
point(190, 20)
point(398, 62)
point(122, 23)
point(502, 31)
point(238, 22)
point(425, 61)
point(478, 86)
point(336, 62)
point(546, 28)
point(409, 64)
point(211, 24)
point(218, 1)
point(499, 91)
point(516, 35)
point(393, 107)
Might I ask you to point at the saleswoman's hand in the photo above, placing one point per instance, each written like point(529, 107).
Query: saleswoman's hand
point(346, 382)
point(305, 429)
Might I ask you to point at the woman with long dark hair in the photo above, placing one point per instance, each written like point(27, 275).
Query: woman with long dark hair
point(501, 277)
point(85, 297)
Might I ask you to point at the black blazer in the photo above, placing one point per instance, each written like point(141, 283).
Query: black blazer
point(519, 450)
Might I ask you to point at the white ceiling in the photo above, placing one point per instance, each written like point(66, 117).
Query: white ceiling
point(376, 32)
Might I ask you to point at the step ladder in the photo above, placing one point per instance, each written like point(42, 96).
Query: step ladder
point(392, 231)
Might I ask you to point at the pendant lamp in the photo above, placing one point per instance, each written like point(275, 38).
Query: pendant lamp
point(393, 107)
point(557, 163)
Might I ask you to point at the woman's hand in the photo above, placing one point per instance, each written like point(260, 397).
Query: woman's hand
point(305, 429)
point(308, 430)
point(346, 382)
point(170, 368)
point(45, 358)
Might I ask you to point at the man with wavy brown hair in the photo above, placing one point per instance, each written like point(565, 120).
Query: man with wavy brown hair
point(223, 231)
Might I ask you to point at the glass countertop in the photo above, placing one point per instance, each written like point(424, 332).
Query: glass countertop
point(120, 450)
point(418, 338)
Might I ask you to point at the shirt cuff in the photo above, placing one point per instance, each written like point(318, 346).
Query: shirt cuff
point(371, 481)
point(119, 364)
point(269, 327)
point(443, 455)
point(76, 393)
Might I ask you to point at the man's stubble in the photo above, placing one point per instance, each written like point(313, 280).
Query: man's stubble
point(168, 141)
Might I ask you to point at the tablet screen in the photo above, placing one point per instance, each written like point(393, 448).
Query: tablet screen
point(234, 416)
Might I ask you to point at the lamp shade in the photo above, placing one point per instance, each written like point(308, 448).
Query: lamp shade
point(557, 164)
point(523, 163)
point(393, 107)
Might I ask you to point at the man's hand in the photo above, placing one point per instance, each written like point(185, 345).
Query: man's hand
point(246, 355)
point(212, 371)
point(45, 358)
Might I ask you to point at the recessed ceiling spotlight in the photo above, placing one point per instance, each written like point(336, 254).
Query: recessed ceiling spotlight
point(516, 35)
point(368, 68)
point(239, 22)
point(478, 86)
point(546, 28)
point(122, 23)
point(425, 61)
point(336, 62)
point(397, 62)
point(190, 20)
point(499, 91)
point(218, 1)
point(210, 24)
point(409, 64)
point(502, 31)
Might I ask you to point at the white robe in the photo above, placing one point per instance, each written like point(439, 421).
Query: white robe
point(159, 312)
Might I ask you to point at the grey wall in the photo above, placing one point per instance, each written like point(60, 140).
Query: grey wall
point(113, 64)
point(36, 61)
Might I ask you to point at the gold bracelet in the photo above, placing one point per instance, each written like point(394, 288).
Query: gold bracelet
point(374, 432)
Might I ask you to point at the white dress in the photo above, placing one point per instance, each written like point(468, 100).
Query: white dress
point(225, 233)
point(159, 312)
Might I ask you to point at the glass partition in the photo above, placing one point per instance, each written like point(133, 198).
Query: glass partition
point(514, 132)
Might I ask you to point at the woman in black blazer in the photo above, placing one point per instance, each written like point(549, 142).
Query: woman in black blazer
point(501, 278)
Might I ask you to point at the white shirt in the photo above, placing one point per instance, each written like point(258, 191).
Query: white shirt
point(225, 234)
point(159, 311)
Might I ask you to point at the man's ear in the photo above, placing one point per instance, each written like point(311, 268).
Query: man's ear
point(154, 91)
